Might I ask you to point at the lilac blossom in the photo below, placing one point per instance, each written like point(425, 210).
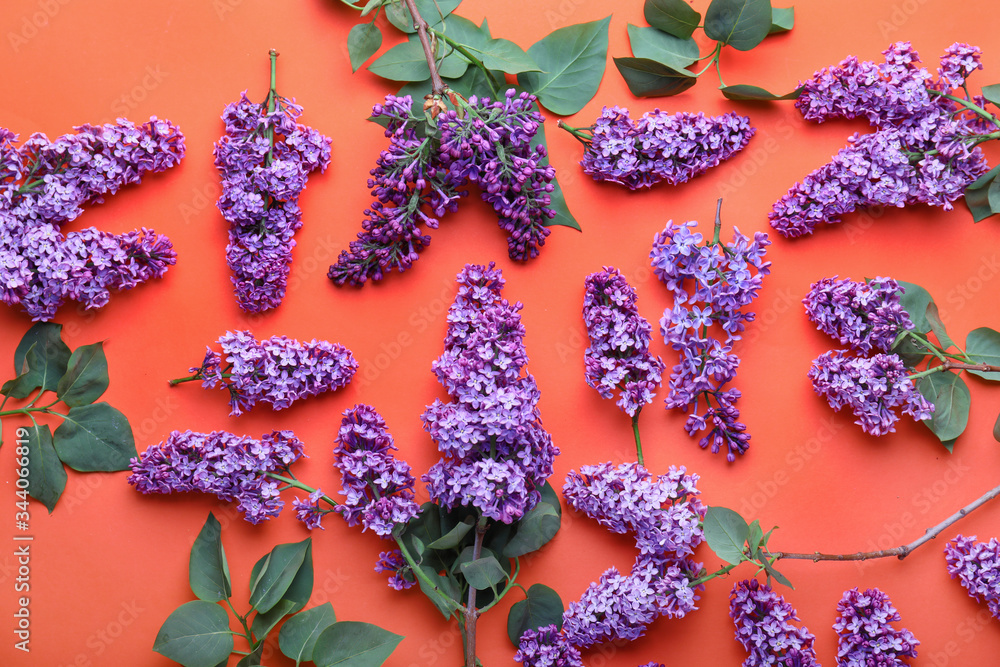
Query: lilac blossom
point(393, 561)
point(547, 647)
point(977, 567)
point(496, 455)
point(713, 285)
point(663, 513)
point(264, 159)
point(873, 388)
point(862, 315)
point(308, 511)
point(659, 147)
point(618, 358)
point(923, 150)
point(231, 467)
point(619, 607)
point(866, 636)
point(278, 370)
point(378, 487)
point(764, 627)
point(419, 178)
point(412, 189)
point(44, 184)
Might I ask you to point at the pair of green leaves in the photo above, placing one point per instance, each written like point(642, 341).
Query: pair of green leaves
point(197, 634)
point(735, 541)
point(663, 52)
point(441, 543)
point(947, 390)
point(93, 437)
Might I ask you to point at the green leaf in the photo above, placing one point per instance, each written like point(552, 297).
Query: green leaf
point(777, 576)
point(53, 352)
point(573, 61)
point(196, 634)
point(31, 378)
point(674, 17)
point(432, 11)
point(996, 429)
point(726, 532)
point(403, 62)
point(557, 198)
point(253, 658)
point(473, 82)
point(86, 376)
point(648, 78)
point(755, 538)
point(46, 475)
point(354, 644)
point(992, 94)
point(264, 622)
point(745, 93)
point(937, 326)
point(983, 347)
point(363, 41)
point(541, 607)
point(653, 44)
point(276, 571)
point(95, 438)
point(782, 20)
point(445, 592)
point(914, 301)
point(741, 24)
point(299, 633)
point(534, 530)
point(909, 350)
point(506, 56)
point(950, 396)
point(978, 194)
point(453, 537)
point(483, 573)
point(208, 569)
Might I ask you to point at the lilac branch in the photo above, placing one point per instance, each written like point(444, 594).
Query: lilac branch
point(437, 85)
point(899, 552)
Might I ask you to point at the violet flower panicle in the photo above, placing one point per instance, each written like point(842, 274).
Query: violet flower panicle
point(764, 627)
point(976, 565)
point(231, 467)
point(862, 315)
point(866, 637)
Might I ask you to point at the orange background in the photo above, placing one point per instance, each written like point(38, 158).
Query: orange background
point(109, 565)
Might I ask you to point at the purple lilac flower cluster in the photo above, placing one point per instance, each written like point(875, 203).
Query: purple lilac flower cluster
point(264, 158)
point(977, 566)
point(866, 636)
point(660, 146)
point(378, 487)
point(862, 315)
point(279, 370)
point(764, 627)
point(229, 466)
point(712, 284)
point(420, 178)
point(44, 184)
point(496, 454)
point(664, 516)
point(618, 358)
point(547, 647)
point(923, 150)
point(872, 387)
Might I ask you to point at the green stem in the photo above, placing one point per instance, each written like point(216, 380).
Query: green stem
point(638, 441)
point(581, 135)
point(708, 577)
point(272, 102)
point(511, 583)
point(714, 55)
point(299, 485)
point(975, 108)
point(929, 346)
point(717, 231)
point(950, 365)
point(426, 582)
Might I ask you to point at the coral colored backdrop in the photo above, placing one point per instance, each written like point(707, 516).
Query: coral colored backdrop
point(109, 565)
